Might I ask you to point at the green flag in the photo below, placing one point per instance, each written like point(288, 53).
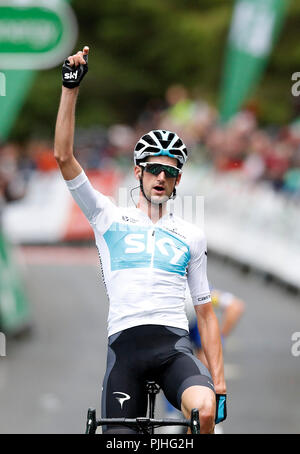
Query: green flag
point(255, 26)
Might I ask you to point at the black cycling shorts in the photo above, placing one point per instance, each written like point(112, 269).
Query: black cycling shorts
point(148, 352)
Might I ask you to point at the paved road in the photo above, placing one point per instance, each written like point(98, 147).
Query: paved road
point(48, 380)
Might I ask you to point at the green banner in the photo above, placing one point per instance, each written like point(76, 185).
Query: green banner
point(15, 86)
point(14, 306)
point(31, 30)
point(34, 34)
point(255, 26)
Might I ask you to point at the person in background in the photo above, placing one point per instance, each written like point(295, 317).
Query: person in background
point(232, 309)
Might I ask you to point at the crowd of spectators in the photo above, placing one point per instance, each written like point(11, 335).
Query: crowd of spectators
point(269, 155)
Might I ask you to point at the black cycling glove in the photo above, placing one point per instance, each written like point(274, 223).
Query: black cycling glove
point(73, 75)
point(221, 408)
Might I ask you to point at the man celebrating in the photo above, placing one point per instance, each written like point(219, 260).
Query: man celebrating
point(147, 257)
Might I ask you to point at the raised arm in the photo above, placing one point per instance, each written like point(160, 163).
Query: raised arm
point(65, 124)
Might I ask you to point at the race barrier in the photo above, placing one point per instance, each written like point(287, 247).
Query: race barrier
point(251, 223)
point(48, 214)
point(247, 222)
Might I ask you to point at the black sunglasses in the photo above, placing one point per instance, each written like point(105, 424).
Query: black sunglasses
point(156, 168)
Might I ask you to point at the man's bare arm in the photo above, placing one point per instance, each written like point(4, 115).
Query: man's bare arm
point(211, 341)
point(65, 126)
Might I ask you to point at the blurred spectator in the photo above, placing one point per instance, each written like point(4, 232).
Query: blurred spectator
point(291, 181)
point(12, 184)
point(258, 148)
point(43, 157)
point(123, 139)
point(150, 116)
point(277, 163)
point(239, 146)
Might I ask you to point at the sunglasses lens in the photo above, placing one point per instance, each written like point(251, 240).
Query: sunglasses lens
point(155, 169)
point(171, 171)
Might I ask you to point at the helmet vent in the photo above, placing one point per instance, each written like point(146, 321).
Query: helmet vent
point(151, 150)
point(165, 144)
point(149, 139)
point(178, 143)
point(139, 146)
point(157, 134)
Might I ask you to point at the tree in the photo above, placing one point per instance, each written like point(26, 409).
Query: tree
point(140, 47)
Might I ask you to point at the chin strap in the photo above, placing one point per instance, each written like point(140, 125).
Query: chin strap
point(131, 191)
point(142, 189)
point(173, 196)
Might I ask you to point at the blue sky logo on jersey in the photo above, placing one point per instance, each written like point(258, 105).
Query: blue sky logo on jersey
point(138, 247)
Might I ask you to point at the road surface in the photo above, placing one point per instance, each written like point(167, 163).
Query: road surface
point(50, 378)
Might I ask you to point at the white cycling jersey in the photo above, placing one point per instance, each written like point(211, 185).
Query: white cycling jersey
point(145, 265)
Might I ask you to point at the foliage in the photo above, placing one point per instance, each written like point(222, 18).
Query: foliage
point(139, 47)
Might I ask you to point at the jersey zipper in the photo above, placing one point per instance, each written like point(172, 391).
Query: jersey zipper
point(152, 247)
point(152, 237)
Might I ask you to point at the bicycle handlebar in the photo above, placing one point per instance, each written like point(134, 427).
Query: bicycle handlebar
point(143, 421)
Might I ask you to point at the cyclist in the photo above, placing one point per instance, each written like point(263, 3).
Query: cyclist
point(147, 257)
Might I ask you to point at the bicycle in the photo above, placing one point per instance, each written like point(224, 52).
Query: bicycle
point(145, 425)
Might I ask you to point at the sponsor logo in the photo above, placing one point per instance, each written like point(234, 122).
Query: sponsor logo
point(165, 245)
point(138, 247)
point(128, 219)
point(203, 298)
point(121, 399)
point(174, 230)
point(72, 75)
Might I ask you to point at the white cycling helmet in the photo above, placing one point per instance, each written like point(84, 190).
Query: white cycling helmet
point(160, 143)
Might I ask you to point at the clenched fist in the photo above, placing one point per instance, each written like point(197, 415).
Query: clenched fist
point(75, 68)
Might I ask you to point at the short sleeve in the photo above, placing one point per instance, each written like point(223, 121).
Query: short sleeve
point(97, 208)
point(196, 273)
